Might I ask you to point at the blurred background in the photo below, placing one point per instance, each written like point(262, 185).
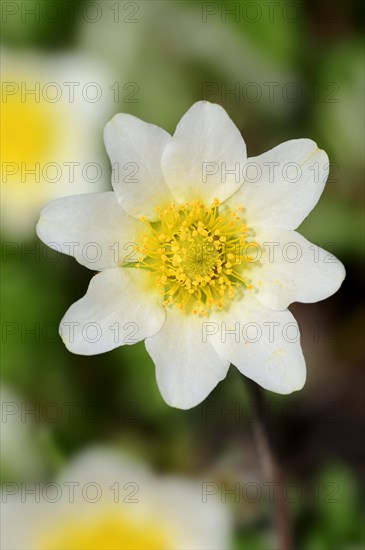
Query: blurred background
point(282, 70)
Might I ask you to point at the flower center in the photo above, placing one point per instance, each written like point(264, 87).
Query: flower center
point(198, 255)
point(110, 531)
point(27, 125)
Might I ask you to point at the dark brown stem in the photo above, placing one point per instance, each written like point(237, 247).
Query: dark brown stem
point(272, 471)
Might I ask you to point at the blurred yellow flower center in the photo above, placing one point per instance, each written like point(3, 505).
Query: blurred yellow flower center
point(27, 129)
point(197, 255)
point(111, 532)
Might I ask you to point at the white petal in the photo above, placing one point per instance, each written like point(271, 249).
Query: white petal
point(174, 502)
point(120, 307)
point(93, 228)
point(199, 523)
point(187, 369)
point(103, 465)
point(135, 149)
point(292, 269)
point(177, 502)
point(282, 186)
point(16, 509)
point(263, 344)
point(205, 146)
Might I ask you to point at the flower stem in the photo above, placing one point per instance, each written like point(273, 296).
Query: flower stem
point(271, 470)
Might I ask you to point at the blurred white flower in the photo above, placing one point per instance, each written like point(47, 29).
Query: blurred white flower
point(193, 248)
point(104, 501)
point(21, 453)
point(52, 111)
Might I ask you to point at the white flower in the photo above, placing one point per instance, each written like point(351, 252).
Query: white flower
point(105, 501)
point(216, 252)
point(21, 453)
point(52, 109)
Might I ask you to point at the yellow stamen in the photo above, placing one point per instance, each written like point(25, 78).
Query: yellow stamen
point(196, 254)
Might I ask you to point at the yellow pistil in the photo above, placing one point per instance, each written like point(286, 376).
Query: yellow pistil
point(197, 255)
point(27, 127)
point(106, 532)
